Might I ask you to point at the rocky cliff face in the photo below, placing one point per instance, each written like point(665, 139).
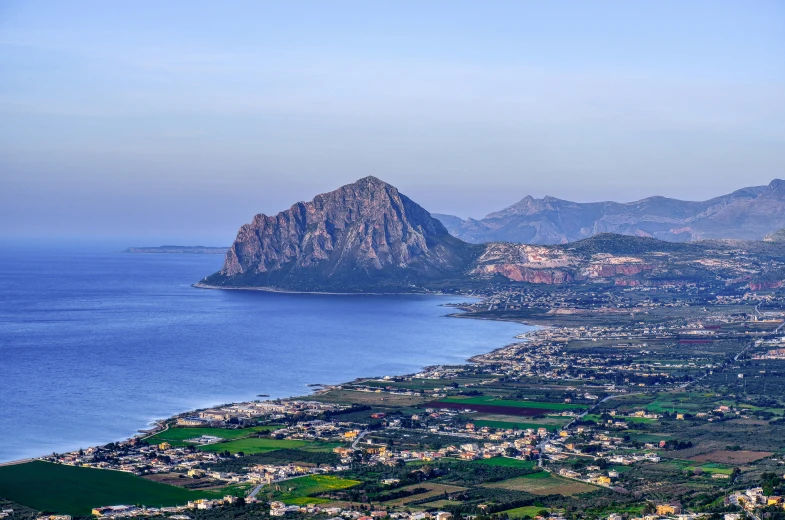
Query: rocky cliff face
point(363, 234)
point(746, 214)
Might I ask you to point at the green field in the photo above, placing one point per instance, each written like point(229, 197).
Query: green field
point(297, 490)
point(75, 491)
point(254, 445)
point(687, 402)
point(712, 468)
point(495, 401)
point(520, 512)
point(708, 467)
point(507, 462)
point(177, 436)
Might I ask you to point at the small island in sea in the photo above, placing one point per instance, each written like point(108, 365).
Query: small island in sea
point(198, 250)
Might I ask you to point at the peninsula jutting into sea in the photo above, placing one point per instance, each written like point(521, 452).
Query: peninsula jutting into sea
point(652, 386)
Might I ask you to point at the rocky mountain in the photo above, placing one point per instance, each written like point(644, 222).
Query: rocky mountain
point(746, 214)
point(362, 236)
point(368, 237)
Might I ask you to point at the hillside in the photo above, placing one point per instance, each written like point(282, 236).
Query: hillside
point(746, 214)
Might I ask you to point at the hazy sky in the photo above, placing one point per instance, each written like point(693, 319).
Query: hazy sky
point(181, 120)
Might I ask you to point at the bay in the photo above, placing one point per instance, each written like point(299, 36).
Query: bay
point(96, 344)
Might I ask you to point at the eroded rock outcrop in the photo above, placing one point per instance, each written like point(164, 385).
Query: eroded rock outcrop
point(364, 233)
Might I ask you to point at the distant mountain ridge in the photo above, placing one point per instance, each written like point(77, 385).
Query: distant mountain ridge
point(365, 234)
point(746, 214)
point(368, 237)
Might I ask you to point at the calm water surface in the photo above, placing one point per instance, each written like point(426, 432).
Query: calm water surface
point(94, 346)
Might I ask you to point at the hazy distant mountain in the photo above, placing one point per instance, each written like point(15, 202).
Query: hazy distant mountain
point(746, 214)
point(360, 236)
point(777, 236)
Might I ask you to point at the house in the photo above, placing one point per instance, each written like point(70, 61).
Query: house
point(668, 509)
point(192, 421)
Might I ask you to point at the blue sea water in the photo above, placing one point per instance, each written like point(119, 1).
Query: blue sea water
point(95, 345)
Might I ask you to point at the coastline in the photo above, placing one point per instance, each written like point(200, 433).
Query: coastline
point(156, 425)
point(200, 285)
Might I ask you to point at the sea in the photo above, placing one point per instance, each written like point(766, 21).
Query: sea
point(96, 344)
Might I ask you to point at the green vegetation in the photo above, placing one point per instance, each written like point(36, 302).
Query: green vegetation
point(507, 462)
point(253, 445)
point(495, 401)
point(75, 491)
point(301, 490)
point(281, 457)
point(526, 511)
point(177, 436)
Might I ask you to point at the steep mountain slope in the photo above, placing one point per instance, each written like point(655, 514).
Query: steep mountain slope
point(746, 214)
point(361, 236)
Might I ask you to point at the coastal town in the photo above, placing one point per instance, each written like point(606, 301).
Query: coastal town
point(641, 408)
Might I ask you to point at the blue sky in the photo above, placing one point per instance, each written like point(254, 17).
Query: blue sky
point(181, 120)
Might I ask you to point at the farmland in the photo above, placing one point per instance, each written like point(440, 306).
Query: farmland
point(543, 483)
point(504, 406)
point(492, 401)
point(254, 445)
point(434, 490)
point(512, 423)
point(178, 436)
point(507, 462)
point(302, 490)
point(75, 491)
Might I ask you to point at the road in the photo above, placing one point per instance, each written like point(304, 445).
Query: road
point(736, 358)
point(359, 438)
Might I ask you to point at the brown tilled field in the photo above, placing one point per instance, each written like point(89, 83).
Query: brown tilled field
point(436, 490)
point(544, 485)
point(732, 457)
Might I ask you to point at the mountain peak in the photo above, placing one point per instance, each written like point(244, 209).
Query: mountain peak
point(366, 230)
point(777, 185)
